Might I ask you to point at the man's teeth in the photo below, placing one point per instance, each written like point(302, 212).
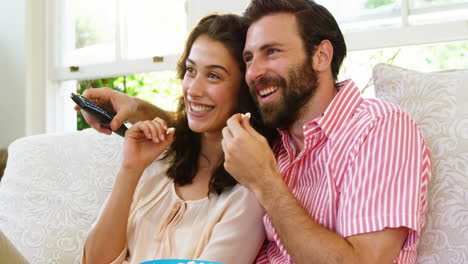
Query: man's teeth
point(201, 108)
point(268, 91)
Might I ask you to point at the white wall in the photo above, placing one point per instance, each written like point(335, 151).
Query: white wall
point(199, 8)
point(23, 69)
point(12, 70)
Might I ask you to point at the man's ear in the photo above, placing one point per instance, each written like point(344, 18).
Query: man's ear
point(323, 56)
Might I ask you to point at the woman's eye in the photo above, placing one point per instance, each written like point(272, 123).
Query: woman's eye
point(213, 76)
point(190, 69)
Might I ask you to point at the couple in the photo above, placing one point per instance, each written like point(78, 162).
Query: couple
point(341, 179)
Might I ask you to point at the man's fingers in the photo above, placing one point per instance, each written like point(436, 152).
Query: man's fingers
point(234, 125)
point(249, 128)
point(100, 94)
point(94, 124)
point(227, 135)
point(119, 118)
point(223, 145)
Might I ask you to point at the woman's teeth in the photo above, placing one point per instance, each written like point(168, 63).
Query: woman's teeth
point(268, 91)
point(201, 108)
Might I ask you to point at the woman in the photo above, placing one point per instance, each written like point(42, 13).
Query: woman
point(181, 203)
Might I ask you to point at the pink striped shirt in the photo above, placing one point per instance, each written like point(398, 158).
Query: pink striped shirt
point(364, 167)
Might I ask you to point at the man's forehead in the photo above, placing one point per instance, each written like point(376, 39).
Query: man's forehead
point(273, 28)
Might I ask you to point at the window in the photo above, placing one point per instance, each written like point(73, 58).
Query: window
point(110, 38)
point(416, 34)
point(434, 57)
point(105, 39)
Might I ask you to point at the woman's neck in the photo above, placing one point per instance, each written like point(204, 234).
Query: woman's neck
point(210, 154)
point(210, 149)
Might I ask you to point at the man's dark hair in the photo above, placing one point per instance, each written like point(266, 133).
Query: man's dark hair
point(315, 24)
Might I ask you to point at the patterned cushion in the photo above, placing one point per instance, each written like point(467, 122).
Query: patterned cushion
point(438, 102)
point(52, 190)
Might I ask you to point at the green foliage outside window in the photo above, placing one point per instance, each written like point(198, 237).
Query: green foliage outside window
point(159, 88)
point(377, 3)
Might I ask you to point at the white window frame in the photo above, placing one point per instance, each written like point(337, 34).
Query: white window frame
point(60, 115)
point(407, 34)
point(61, 81)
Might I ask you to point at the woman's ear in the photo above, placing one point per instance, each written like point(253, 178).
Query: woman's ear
point(323, 56)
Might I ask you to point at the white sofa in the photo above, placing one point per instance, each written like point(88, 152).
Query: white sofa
point(52, 190)
point(55, 184)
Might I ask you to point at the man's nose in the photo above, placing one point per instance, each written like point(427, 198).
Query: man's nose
point(255, 70)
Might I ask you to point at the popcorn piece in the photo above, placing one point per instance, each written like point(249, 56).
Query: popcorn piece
point(170, 130)
point(246, 115)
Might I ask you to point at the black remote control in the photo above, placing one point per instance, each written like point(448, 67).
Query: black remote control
point(97, 113)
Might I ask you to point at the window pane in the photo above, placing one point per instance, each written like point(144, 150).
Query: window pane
point(155, 27)
point(357, 14)
point(437, 11)
point(429, 3)
point(427, 58)
point(94, 32)
point(159, 88)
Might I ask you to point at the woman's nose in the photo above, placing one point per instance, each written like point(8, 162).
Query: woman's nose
point(196, 87)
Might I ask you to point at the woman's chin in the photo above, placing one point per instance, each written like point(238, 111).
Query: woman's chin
point(204, 128)
point(197, 127)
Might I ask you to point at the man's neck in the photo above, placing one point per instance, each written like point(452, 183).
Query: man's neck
point(314, 108)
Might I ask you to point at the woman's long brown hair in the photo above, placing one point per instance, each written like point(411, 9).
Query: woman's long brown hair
point(230, 30)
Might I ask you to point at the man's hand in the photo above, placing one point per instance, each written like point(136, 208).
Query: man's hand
point(248, 157)
point(113, 101)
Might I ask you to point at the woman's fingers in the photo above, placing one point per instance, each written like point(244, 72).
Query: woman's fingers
point(156, 130)
point(161, 122)
point(163, 126)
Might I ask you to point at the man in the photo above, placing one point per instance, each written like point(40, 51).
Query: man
point(346, 182)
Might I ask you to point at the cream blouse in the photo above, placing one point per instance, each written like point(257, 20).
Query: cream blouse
point(225, 228)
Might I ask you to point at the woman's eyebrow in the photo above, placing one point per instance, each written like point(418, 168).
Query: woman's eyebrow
point(215, 66)
point(211, 66)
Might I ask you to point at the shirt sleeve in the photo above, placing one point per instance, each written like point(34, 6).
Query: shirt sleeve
point(385, 184)
point(239, 234)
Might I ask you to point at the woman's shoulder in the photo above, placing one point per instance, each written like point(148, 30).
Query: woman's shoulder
point(158, 166)
point(155, 173)
point(240, 195)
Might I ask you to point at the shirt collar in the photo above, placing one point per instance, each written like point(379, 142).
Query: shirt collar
point(341, 108)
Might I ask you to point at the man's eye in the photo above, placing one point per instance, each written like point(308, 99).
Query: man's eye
point(247, 59)
point(273, 51)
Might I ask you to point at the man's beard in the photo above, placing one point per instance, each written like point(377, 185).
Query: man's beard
point(296, 93)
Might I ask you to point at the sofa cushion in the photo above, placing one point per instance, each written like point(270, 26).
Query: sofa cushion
point(438, 102)
point(52, 190)
point(3, 160)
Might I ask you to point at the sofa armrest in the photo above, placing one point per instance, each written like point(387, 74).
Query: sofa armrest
point(52, 190)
